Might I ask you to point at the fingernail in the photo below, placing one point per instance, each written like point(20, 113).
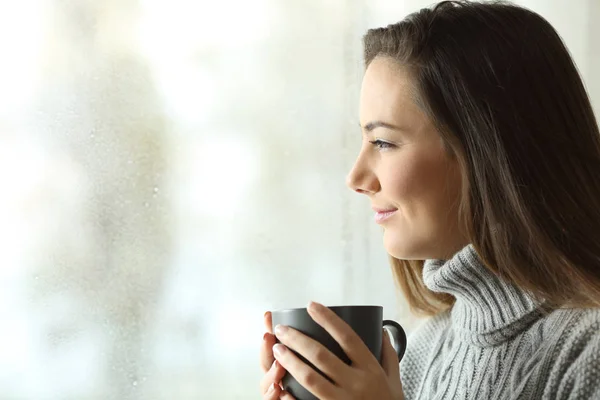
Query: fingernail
point(265, 315)
point(280, 330)
point(278, 349)
point(312, 306)
point(265, 335)
point(274, 365)
point(272, 388)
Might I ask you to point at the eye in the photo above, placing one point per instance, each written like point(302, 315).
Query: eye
point(381, 145)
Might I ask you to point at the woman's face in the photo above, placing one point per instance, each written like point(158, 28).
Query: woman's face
point(404, 169)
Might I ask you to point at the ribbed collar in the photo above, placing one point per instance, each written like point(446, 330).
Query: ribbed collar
point(488, 311)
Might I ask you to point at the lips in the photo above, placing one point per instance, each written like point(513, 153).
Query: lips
point(383, 214)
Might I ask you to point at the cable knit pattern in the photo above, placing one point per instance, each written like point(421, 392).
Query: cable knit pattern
point(495, 343)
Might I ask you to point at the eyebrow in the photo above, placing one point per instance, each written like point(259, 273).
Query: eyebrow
point(379, 124)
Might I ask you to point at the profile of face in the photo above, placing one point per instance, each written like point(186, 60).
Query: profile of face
point(412, 181)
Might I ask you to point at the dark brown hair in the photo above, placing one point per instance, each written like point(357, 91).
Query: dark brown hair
point(507, 99)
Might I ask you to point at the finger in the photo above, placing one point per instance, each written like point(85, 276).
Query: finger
point(304, 374)
point(273, 392)
point(266, 351)
point(389, 358)
point(274, 375)
point(268, 320)
point(354, 347)
point(286, 396)
point(321, 357)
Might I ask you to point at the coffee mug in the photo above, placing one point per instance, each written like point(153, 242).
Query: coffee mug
point(366, 321)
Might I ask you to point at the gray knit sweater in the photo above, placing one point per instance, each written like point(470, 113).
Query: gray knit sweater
point(495, 344)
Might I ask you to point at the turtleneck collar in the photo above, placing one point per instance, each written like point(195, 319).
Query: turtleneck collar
point(488, 311)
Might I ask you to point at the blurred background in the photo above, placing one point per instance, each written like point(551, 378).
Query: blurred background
point(171, 169)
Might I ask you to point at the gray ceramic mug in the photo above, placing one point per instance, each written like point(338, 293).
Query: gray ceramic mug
point(366, 321)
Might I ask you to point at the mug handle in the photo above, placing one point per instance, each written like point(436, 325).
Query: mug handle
point(398, 337)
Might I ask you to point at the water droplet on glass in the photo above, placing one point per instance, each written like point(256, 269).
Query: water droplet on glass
point(134, 383)
point(147, 204)
point(155, 190)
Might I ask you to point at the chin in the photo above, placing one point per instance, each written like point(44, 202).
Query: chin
point(397, 247)
point(403, 248)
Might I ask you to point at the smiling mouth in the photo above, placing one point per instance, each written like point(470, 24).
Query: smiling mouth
point(382, 215)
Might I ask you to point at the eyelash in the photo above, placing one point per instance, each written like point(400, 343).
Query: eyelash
point(381, 145)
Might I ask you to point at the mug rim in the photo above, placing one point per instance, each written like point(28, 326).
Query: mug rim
point(286, 310)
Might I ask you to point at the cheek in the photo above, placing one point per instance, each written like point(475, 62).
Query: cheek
point(423, 184)
point(412, 177)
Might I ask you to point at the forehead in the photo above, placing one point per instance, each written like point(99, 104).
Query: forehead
point(387, 91)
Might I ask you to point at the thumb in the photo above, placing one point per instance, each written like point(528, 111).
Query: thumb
point(389, 358)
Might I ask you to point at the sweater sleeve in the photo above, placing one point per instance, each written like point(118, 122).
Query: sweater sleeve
point(576, 375)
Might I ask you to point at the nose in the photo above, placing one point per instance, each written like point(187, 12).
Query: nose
point(362, 179)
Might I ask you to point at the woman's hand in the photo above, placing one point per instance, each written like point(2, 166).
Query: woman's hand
point(364, 379)
point(274, 372)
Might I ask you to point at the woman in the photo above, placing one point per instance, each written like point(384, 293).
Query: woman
point(481, 157)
